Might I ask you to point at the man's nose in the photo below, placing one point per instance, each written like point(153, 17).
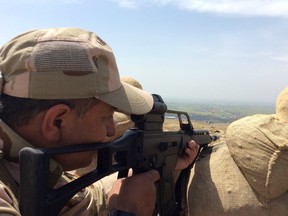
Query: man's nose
point(111, 129)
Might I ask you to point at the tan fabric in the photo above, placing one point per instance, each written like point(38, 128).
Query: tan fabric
point(12, 142)
point(8, 192)
point(259, 146)
point(8, 202)
point(89, 201)
point(249, 175)
point(131, 81)
point(7, 179)
point(67, 63)
point(122, 124)
point(218, 188)
point(282, 105)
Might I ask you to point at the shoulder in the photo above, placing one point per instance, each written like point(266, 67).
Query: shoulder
point(8, 202)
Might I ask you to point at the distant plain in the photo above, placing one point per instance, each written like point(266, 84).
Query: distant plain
point(214, 117)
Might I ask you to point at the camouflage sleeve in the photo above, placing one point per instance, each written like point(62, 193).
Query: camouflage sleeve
point(90, 201)
point(8, 203)
point(87, 202)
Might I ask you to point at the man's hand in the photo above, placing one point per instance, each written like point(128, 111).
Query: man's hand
point(189, 155)
point(135, 194)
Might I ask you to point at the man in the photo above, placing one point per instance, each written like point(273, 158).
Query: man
point(61, 87)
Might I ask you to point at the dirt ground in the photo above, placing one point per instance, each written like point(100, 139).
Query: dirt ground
point(214, 129)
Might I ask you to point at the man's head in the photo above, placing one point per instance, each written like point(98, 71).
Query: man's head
point(61, 87)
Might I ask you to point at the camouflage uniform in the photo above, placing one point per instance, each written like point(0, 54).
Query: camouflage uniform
point(90, 201)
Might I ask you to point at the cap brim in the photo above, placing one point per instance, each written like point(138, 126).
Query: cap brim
point(129, 99)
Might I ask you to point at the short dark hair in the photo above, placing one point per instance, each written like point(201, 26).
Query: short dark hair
point(17, 112)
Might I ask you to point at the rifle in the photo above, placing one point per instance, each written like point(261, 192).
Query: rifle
point(141, 148)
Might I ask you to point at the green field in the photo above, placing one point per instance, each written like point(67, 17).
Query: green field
point(220, 113)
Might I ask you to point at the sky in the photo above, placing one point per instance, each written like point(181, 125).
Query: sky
point(187, 50)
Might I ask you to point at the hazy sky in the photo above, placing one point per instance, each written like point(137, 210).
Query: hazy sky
point(228, 50)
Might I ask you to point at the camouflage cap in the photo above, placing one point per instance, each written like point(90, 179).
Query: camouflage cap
point(67, 63)
point(131, 81)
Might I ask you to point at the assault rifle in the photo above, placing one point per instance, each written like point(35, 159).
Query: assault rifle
point(141, 148)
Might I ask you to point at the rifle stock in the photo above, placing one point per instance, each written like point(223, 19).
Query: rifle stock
point(142, 148)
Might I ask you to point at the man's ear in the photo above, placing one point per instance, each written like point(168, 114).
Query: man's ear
point(53, 120)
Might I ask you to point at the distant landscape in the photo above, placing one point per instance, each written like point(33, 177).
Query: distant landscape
point(214, 117)
point(220, 113)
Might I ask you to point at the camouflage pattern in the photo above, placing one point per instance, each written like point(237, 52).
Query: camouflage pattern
point(67, 63)
point(60, 63)
point(8, 192)
point(89, 201)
